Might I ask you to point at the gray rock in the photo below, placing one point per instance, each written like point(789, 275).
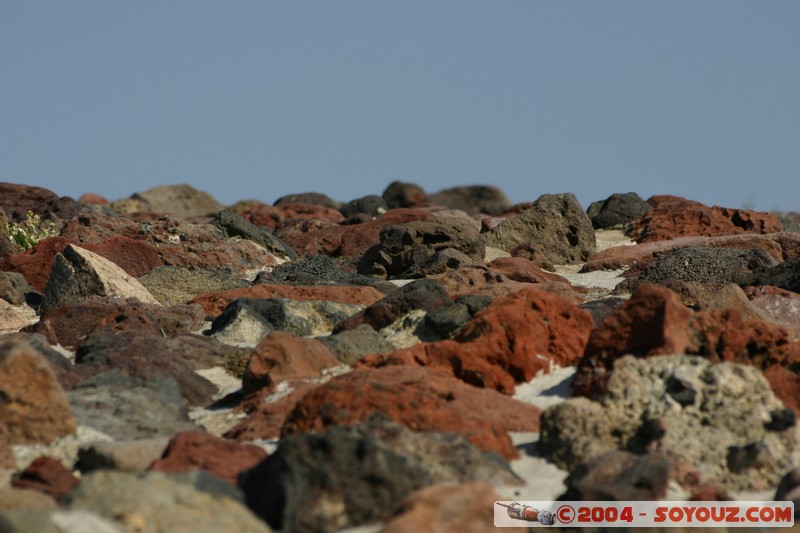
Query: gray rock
point(161, 503)
point(619, 476)
point(425, 294)
point(785, 275)
point(307, 198)
point(445, 320)
point(472, 199)
point(556, 222)
point(127, 408)
point(78, 274)
point(350, 346)
point(413, 250)
point(55, 521)
point(127, 456)
point(718, 266)
point(312, 270)
point(248, 320)
point(371, 205)
point(790, 221)
point(172, 285)
point(145, 355)
point(352, 476)
point(180, 200)
point(234, 225)
point(599, 309)
point(716, 417)
point(14, 287)
point(617, 210)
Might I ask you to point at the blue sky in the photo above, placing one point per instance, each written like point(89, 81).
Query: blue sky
point(258, 99)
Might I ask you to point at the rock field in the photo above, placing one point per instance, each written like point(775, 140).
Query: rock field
point(391, 363)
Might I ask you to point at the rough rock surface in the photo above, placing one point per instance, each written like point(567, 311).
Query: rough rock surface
point(421, 399)
point(722, 419)
point(128, 408)
point(422, 294)
point(16, 200)
point(78, 274)
point(350, 345)
point(162, 502)
point(234, 225)
point(506, 343)
point(33, 406)
point(351, 476)
point(371, 205)
point(785, 275)
point(673, 216)
point(180, 200)
point(196, 450)
point(617, 210)
point(716, 266)
point(556, 222)
point(213, 303)
point(416, 249)
point(176, 285)
point(655, 321)
point(144, 355)
point(13, 287)
point(70, 325)
point(248, 320)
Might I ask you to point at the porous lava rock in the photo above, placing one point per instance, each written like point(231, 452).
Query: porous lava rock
point(556, 222)
point(419, 398)
point(16, 200)
point(349, 476)
point(721, 418)
point(673, 216)
point(506, 343)
point(617, 210)
point(414, 249)
point(423, 294)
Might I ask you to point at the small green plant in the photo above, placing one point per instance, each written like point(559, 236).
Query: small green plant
point(28, 233)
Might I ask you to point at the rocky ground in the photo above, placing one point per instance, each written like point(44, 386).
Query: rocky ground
point(394, 363)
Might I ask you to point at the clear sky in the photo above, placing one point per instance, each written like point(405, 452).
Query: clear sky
point(258, 99)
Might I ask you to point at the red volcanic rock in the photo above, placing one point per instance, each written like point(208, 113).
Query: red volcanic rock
point(782, 246)
point(675, 217)
point(420, 399)
point(274, 217)
point(655, 322)
point(521, 269)
point(16, 200)
point(399, 194)
point(33, 406)
point(281, 356)
point(312, 237)
point(506, 343)
point(92, 199)
point(486, 281)
point(69, 325)
point(137, 258)
point(195, 450)
point(46, 475)
point(35, 264)
point(267, 418)
point(213, 303)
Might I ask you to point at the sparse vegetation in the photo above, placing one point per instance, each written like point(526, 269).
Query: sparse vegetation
point(31, 231)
